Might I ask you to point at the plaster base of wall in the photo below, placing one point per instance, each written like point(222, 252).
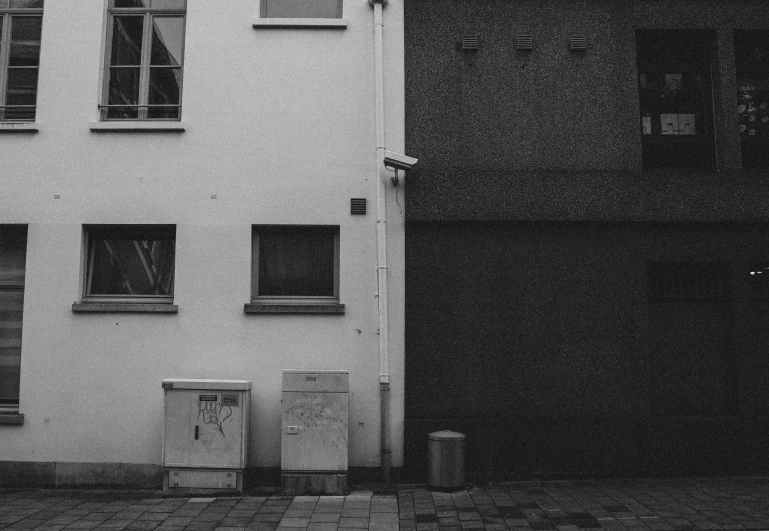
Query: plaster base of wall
point(21, 474)
point(34, 474)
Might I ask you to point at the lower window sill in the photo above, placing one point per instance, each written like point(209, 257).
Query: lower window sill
point(294, 308)
point(317, 23)
point(19, 127)
point(157, 126)
point(11, 419)
point(123, 307)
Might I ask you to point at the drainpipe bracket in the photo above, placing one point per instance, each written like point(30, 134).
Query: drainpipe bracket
point(383, 2)
point(384, 378)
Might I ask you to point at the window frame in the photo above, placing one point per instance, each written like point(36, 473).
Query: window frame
point(6, 15)
point(10, 409)
point(120, 302)
point(147, 14)
point(264, 4)
point(657, 146)
point(330, 302)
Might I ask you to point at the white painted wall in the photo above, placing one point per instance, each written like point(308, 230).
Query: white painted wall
point(281, 130)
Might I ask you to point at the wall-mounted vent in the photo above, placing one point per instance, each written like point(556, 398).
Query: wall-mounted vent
point(469, 42)
point(358, 206)
point(524, 42)
point(578, 44)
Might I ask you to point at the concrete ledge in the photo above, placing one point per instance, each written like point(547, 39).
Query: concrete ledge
point(11, 419)
point(161, 126)
point(19, 127)
point(256, 307)
point(123, 307)
point(311, 23)
point(313, 484)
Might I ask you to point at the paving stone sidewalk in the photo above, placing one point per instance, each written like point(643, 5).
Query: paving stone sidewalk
point(615, 505)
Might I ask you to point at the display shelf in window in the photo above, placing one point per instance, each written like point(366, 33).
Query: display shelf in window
point(751, 52)
point(675, 94)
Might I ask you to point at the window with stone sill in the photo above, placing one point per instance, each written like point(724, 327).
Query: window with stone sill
point(145, 51)
point(21, 25)
point(129, 264)
point(295, 265)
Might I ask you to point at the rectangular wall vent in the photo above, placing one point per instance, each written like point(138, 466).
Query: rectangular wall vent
point(524, 42)
point(578, 44)
point(358, 206)
point(469, 42)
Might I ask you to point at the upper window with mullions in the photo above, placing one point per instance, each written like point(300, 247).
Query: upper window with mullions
point(21, 24)
point(144, 60)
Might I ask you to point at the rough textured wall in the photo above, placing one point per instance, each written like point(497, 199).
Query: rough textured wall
point(554, 134)
point(534, 340)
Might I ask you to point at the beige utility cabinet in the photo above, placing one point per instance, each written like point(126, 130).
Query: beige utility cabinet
point(314, 432)
point(205, 434)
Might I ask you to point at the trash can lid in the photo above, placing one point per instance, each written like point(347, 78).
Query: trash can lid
point(445, 435)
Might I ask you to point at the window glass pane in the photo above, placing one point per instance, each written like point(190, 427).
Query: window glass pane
point(22, 90)
point(165, 85)
point(11, 311)
point(123, 89)
point(169, 4)
point(25, 41)
point(127, 40)
point(13, 250)
point(167, 40)
point(675, 99)
point(13, 246)
point(27, 4)
point(131, 262)
point(132, 3)
point(10, 373)
point(296, 261)
point(751, 51)
point(301, 8)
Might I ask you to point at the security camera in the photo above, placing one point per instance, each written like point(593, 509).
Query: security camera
point(397, 161)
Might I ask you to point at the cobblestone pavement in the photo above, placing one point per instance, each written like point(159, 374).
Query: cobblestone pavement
point(616, 505)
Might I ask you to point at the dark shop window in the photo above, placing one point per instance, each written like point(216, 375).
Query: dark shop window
point(676, 99)
point(751, 52)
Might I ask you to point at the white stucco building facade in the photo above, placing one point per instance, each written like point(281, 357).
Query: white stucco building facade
point(276, 125)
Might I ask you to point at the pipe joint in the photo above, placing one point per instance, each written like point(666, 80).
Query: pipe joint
point(383, 2)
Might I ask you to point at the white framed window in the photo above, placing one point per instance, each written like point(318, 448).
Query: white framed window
point(13, 252)
point(21, 25)
point(129, 264)
point(144, 60)
point(301, 8)
point(295, 265)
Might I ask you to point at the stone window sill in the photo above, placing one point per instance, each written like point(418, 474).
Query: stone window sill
point(124, 307)
point(294, 308)
point(316, 23)
point(19, 127)
point(11, 419)
point(118, 126)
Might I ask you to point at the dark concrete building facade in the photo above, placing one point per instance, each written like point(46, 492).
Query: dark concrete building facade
point(587, 241)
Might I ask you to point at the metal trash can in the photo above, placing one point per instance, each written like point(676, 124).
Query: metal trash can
point(446, 460)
